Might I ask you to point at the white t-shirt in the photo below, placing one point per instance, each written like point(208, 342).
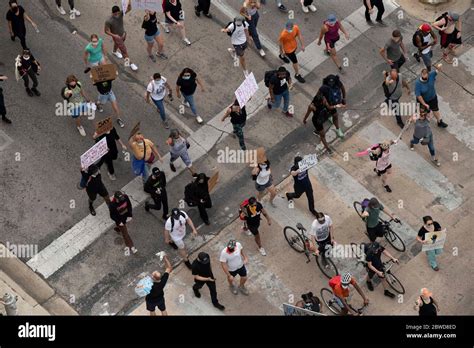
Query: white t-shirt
point(179, 228)
point(321, 232)
point(263, 176)
point(238, 37)
point(157, 89)
point(234, 260)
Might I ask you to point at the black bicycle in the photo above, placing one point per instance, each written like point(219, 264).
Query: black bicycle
point(300, 243)
point(335, 304)
point(390, 235)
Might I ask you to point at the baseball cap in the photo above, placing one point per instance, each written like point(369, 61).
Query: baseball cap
point(426, 28)
point(155, 171)
point(203, 258)
point(289, 25)
point(453, 15)
point(332, 18)
point(232, 243)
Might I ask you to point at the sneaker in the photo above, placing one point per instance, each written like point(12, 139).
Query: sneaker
point(185, 103)
point(117, 54)
point(233, 289)
point(315, 133)
point(199, 119)
point(197, 293)
point(166, 124)
point(61, 10)
point(152, 57)
point(74, 13)
point(305, 9)
point(81, 131)
point(186, 41)
point(382, 23)
point(370, 286)
point(243, 290)
point(417, 57)
point(300, 78)
point(435, 161)
point(339, 133)
point(167, 30)
point(92, 210)
point(436, 268)
point(312, 8)
point(29, 92)
point(412, 147)
point(288, 114)
point(401, 125)
point(172, 167)
point(6, 120)
point(188, 264)
point(441, 124)
point(330, 152)
point(219, 306)
point(262, 251)
point(147, 207)
point(327, 53)
point(208, 15)
point(35, 91)
point(112, 176)
point(161, 55)
point(284, 58)
point(120, 122)
point(387, 188)
point(134, 250)
point(100, 108)
point(133, 67)
point(282, 8)
point(389, 294)
point(269, 104)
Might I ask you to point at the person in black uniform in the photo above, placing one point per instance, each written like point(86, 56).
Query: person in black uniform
point(200, 196)
point(29, 68)
point(156, 297)
point(3, 109)
point(121, 212)
point(92, 181)
point(111, 137)
point(319, 107)
point(203, 6)
point(202, 272)
point(156, 187)
point(302, 185)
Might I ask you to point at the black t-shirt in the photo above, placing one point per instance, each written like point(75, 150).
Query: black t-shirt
point(202, 270)
point(150, 25)
point(255, 219)
point(175, 11)
point(94, 184)
point(423, 230)
point(301, 179)
point(321, 112)
point(104, 87)
point(187, 87)
point(155, 183)
point(111, 139)
point(279, 86)
point(238, 117)
point(375, 258)
point(156, 292)
point(18, 21)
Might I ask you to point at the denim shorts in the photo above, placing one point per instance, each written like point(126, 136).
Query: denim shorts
point(104, 98)
point(151, 38)
point(79, 110)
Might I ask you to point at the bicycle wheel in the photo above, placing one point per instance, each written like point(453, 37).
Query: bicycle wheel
point(358, 209)
point(394, 240)
point(329, 270)
point(294, 239)
point(394, 283)
point(328, 299)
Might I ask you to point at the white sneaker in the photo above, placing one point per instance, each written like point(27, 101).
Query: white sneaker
point(262, 52)
point(185, 103)
point(248, 233)
point(262, 251)
point(199, 119)
point(112, 176)
point(134, 250)
point(133, 67)
point(81, 131)
point(76, 12)
point(61, 10)
point(312, 8)
point(117, 54)
point(305, 9)
point(186, 41)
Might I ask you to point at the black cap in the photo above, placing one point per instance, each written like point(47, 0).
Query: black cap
point(155, 171)
point(203, 258)
point(119, 196)
point(93, 168)
point(175, 213)
point(115, 9)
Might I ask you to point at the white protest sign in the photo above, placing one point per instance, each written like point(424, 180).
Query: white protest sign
point(435, 242)
point(246, 90)
point(94, 153)
point(290, 310)
point(153, 5)
point(307, 162)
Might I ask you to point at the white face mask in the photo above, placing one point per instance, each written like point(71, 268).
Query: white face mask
point(263, 166)
point(26, 57)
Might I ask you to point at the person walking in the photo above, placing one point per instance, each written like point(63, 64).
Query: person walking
point(373, 257)
point(423, 133)
point(371, 215)
point(202, 272)
point(307, 5)
point(279, 4)
point(233, 261)
point(394, 52)
point(424, 39)
point(76, 98)
point(279, 85)
point(156, 297)
point(16, 16)
point(429, 226)
point(94, 53)
point(450, 27)
point(91, 180)
point(249, 10)
point(322, 236)
point(393, 91)
point(262, 174)
point(383, 165)
point(369, 9)
point(302, 184)
point(238, 117)
point(335, 93)
point(309, 302)
point(250, 212)
point(156, 187)
point(157, 89)
point(115, 29)
point(425, 92)
point(179, 149)
point(174, 17)
point(144, 154)
point(289, 45)
point(105, 95)
point(197, 194)
point(203, 6)
point(29, 68)
point(330, 32)
point(152, 35)
point(175, 231)
point(426, 305)
point(73, 12)
point(3, 109)
point(111, 137)
point(319, 106)
point(238, 30)
point(121, 212)
point(186, 85)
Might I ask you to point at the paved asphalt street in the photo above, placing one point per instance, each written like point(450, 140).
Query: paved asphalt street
point(39, 168)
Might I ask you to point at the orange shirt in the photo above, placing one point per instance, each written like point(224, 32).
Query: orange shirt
point(340, 292)
point(288, 40)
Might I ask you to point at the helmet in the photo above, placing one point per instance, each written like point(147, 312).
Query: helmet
point(346, 280)
point(203, 258)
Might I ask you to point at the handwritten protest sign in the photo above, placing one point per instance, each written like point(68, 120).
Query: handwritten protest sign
point(261, 156)
point(153, 5)
point(134, 130)
point(213, 181)
point(290, 310)
point(437, 240)
point(94, 153)
point(307, 162)
point(106, 72)
point(104, 126)
point(246, 90)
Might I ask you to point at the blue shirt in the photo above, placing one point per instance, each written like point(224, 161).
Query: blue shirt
point(426, 89)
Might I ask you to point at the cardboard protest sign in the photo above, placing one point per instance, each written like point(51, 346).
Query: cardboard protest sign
point(246, 90)
point(290, 310)
point(213, 181)
point(261, 156)
point(104, 126)
point(307, 162)
point(437, 239)
point(134, 130)
point(94, 154)
point(106, 72)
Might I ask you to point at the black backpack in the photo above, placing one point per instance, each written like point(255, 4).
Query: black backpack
point(335, 92)
point(227, 26)
point(418, 33)
point(189, 194)
point(172, 220)
point(445, 16)
point(387, 93)
point(268, 75)
point(374, 156)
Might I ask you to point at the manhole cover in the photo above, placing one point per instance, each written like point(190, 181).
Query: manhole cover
point(5, 140)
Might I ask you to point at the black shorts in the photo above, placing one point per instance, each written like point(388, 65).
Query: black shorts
point(318, 123)
point(102, 191)
point(433, 103)
point(322, 245)
point(240, 49)
point(331, 43)
point(292, 56)
point(253, 229)
point(381, 172)
point(450, 39)
point(374, 232)
point(152, 304)
point(242, 271)
point(372, 273)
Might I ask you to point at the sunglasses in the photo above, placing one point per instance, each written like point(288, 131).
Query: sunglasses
point(430, 224)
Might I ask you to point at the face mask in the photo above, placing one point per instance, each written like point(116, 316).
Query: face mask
point(186, 77)
point(263, 166)
point(289, 30)
point(72, 85)
point(424, 80)
point(26, 57)
point(230, 250)
point(321, 221)
point(201, 181)
point(95, 43)
point(157, 81)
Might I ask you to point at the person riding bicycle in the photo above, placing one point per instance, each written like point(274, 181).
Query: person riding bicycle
point(309, 302)
point(321, 234)
point(372, 212)
point(373, 257)
point(340, 288)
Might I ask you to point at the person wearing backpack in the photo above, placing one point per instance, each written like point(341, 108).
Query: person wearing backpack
point(392, 87)
point(319, 106)
point(424, 39)
point(250, 212)
point(77, 99)
point(179, 149)
point(249, 10)
point(91, 181)
point(330, 32)
point(120, 209)
point(197, 194)
point(309, 302)
point(156, 187)
point(175, 231)
point(278, 83)
point(238, 117)
point(335, 93)
point(238, 30)
point(144, 153)
point(394, 52)
point(29, 68)
point(381, 155)
point(372, 209)
point(302, 184)
point(288, 46)
point(262, 174)
point(3, 109)
point(449, 26)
